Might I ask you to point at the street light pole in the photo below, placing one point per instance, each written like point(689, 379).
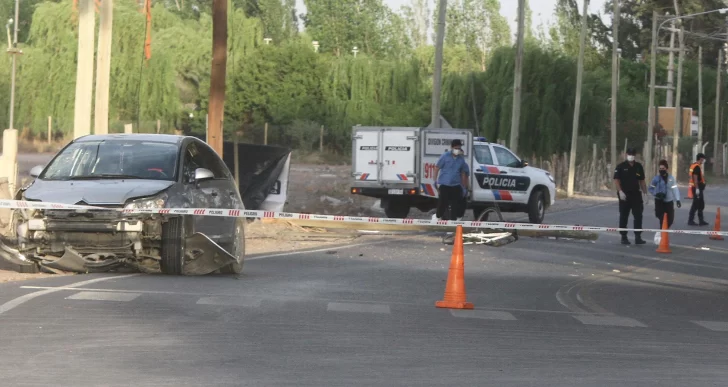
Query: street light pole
point(577, 103)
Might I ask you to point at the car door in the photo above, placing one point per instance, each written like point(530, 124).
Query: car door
point(213, 193)
point(513, 182)
point(484, 169)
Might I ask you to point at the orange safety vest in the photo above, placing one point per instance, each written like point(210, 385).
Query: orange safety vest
point(702, 176)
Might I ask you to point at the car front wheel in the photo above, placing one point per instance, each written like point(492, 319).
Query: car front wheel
point(237, 250)
point(173, 246)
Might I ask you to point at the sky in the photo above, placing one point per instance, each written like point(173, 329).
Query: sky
point(543, 10)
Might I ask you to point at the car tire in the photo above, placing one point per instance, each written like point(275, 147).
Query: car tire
point(398, 209)
point(536, 207)
point(173, 246)
point(237, 249)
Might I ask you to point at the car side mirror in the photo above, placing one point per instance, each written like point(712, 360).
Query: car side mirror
point(202, 174)
point(36, 171)
point(524, 163)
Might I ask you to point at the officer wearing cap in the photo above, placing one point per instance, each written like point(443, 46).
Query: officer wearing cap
point(629, 179)
point(451, 177)
point(697, 185)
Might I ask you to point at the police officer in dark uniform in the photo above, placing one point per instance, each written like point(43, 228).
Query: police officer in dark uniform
point(629, 179)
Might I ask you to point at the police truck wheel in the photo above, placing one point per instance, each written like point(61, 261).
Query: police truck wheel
point(536, 207)
point(398, 209)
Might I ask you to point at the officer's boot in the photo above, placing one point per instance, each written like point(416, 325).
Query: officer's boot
point(625, 240)
point(702, 221)
point(638, 239)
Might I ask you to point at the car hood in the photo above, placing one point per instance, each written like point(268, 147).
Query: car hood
point(94, 192)
point(529, 169)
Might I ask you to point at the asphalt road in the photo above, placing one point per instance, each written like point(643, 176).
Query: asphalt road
point(548, 312)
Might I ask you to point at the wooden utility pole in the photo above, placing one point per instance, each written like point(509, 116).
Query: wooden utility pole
point(718, 84)
point(103, 68)
point(437, 75)
point(678, 109)
point(700, 96)
point(577, 103)
point(652, 115)
point(84, 69)
point(516, 111)
point(217, 75)
point(615, 83)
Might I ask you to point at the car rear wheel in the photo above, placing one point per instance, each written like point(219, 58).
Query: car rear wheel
point(536, 207)
point(237, 250)
point(173, 246)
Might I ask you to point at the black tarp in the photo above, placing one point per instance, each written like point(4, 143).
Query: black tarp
point(260, 167)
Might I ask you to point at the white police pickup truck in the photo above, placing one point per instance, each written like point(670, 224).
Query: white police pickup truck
point(397, 166)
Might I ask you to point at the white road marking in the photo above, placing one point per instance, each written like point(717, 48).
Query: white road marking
point(614, 321)
point(482, 314)
point(229, 301)
point(12, 304)
point(717, 326)
point(333, 247)
point(103, 296)
point(358, 308)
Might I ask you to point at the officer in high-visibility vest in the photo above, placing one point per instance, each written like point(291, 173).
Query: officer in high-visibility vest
point(697, 185)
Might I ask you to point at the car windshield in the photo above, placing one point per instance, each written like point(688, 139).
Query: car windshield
point(114, 159)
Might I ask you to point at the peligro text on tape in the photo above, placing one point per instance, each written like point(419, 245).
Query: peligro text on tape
point(238, 213)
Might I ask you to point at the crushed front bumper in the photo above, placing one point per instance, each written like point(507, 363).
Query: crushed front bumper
point(84, 241)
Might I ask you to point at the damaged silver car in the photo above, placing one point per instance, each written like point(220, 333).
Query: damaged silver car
point(134, 171)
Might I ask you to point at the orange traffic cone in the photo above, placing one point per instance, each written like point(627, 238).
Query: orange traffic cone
point(690, 192)
point(716, 228)
point(455, 287)
point(665, 239)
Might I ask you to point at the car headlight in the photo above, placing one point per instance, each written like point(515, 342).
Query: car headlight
point(551, 177)
point(148, 203)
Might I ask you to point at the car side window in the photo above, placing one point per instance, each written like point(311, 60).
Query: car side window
point(506, 158)
point(483, 155)
point(197, 156)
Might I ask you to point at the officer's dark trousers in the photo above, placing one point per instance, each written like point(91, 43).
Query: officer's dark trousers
point(632, 204)
point(662, 208)
point(450, 196)
point(698, 206)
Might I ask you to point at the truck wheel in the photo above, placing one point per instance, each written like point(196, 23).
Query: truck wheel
point(398, 209)
point(536, 207)
point(173, 246)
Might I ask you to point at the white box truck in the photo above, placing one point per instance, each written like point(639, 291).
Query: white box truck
point(397, 164)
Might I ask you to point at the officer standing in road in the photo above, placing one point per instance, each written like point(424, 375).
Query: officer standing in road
point(451, 176)
point(629, 179)
point(697, 185)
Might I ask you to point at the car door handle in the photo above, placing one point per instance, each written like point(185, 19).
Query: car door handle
point(213, 193)
point(478, 170)
point(504, 172)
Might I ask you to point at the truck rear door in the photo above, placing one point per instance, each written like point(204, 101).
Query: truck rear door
point(398, 156)
point(366, 155)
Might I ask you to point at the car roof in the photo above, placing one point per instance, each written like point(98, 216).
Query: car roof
point(164, 138)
